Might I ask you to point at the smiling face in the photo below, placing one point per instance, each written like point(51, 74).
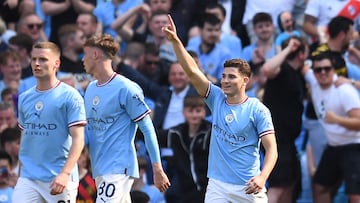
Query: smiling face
point(177, 77)
point(324, 72)
point(232, 81)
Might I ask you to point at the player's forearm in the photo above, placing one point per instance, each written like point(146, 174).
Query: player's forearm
point(77, 134)
point(152, 146)
point(271, 154)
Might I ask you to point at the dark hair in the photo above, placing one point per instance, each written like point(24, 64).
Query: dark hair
point(7, 91)
point(261, 17)
point(301, 48)
point(193, 101)
point(104, 42)
point(209, 18)
point(339, 24)
point(5, 155)
point(241, 65)
point(6, 55)
point(22, 40)
point(10, 135)
point(215, 5)
point(322, 56)
point(93, 18)
point(152, 48)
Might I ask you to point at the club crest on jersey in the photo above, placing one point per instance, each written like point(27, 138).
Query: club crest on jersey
point(96, 100)
point(229, 118)
point(39, 106)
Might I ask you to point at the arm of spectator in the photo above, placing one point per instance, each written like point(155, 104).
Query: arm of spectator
point(271, 68)
point(310, 161)
point(309, 26)
point(52, 8)
point(351, 122)
point(81, 6)
point(126, 32)
point(342, 80)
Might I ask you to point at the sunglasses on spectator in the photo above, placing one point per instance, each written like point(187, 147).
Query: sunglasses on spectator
point(318, 70)
point(34, 25)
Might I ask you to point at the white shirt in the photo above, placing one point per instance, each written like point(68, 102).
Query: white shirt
point(324, 10)
point(174, 114)
point(339, 100)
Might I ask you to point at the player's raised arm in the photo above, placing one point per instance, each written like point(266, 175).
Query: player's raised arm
point(198, 79)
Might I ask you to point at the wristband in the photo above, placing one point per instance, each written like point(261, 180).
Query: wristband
point(353, 82)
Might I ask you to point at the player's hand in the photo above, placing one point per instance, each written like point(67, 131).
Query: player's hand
point(58, 185)
point(255, 185)
point(170, 30)
point(161, 181)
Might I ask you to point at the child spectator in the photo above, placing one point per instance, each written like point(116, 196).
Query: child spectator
point(188, 147)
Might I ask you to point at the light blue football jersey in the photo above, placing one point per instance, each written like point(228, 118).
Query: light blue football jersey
point(235, 140)
point(45, 118)
point(112, 110)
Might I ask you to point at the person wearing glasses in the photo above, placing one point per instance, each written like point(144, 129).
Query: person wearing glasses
point(338, 112)
point(32, 25)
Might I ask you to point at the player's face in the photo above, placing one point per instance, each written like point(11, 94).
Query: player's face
point(324, 72)
point(232, 81)
point(44, 63)
point(89, 59)
point(194, 115)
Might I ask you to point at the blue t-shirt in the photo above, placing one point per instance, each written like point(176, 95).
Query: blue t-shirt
point(112, 110)
point(235, 137)
point(45, 118)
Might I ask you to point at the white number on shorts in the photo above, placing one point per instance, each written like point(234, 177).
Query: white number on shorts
point(109, 189)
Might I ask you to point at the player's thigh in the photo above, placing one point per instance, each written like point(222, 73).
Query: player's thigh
point(68, 196)
point(26, 191)
point(219, 192)
point(114, 188)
